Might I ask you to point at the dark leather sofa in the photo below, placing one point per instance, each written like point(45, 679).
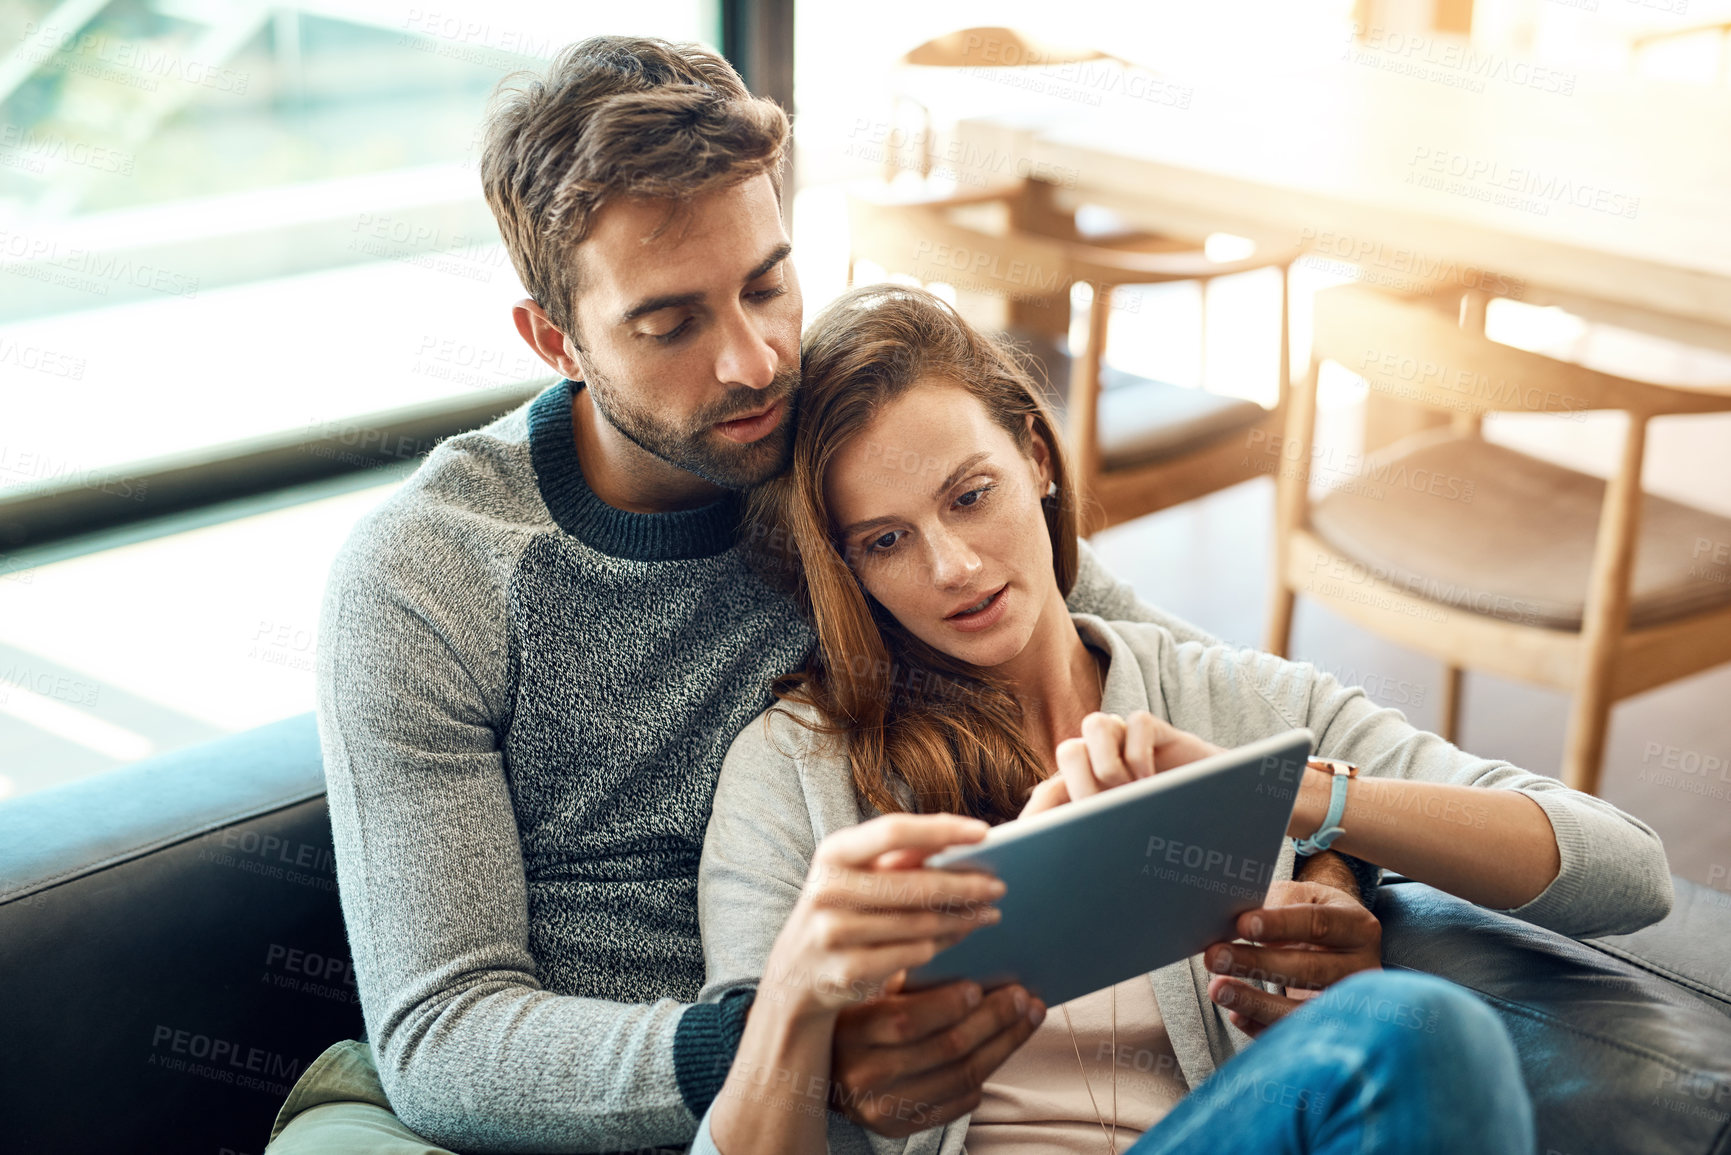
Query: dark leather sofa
point(172, 956)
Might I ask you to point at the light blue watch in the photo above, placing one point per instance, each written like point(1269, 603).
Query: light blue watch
point(1330, 829)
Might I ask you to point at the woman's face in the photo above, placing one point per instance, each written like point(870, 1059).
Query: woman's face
point(938, 513)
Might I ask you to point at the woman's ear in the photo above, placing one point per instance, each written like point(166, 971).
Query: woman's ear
point(1042, 456)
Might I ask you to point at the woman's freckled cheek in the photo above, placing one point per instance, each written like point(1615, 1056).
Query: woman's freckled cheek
point(898, 582)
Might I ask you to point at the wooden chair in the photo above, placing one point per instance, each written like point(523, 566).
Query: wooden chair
point(1487, 558)
point(1137, 445)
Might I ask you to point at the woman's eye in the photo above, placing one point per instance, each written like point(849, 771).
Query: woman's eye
point(973, 496)
point(878, 545)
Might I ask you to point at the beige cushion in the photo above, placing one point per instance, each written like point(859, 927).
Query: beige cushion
point(1143, 421)
point(1481, 527)
point(1140, 420)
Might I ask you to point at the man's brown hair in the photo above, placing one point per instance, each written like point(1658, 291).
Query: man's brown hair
point(615, 116)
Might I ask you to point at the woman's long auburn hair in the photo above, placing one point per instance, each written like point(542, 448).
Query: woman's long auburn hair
point(922, 731)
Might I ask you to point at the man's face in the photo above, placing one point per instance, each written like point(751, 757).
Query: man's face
point(691, 339)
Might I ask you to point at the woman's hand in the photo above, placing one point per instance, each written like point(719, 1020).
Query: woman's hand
point(870, 910)
point(1113, 751)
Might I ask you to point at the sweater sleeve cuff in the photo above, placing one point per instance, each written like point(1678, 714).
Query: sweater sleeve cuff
point(704, 1044)
point(1553, 907)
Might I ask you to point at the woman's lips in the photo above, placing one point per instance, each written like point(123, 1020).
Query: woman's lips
point(985, 618)
point(749, 429)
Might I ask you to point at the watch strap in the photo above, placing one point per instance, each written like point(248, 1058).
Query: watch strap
point(1343, 772)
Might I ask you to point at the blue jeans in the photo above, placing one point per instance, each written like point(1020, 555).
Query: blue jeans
point(1383, 1061)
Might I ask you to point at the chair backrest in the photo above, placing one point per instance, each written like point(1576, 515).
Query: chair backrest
point(926, 242)
point(924, 239)
point(172, 949)
point(1416, 353)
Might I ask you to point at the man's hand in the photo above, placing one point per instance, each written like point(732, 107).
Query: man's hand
point(1311, 932)
point(905, 1062)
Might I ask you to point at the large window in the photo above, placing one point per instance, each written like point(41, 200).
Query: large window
point(231, 236)
point(221, 221)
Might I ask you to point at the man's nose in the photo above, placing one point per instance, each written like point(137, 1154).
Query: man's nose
point(746, 358)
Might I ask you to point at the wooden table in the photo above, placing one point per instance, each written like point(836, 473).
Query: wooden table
point(1613, 196)
point(1606, 195)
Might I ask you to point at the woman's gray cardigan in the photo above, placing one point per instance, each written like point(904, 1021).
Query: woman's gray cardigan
point(782, 789)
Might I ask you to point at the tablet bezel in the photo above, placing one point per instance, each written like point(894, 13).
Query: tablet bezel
point(1034, 841)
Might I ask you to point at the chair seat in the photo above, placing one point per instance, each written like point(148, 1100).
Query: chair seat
point(1143, 421)
point(1483, 528)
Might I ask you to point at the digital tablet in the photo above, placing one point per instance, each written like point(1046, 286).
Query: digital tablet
point(1126, 881)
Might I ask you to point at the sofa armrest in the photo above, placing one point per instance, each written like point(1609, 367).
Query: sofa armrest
point(1691, 946)
point(1616, 1057)
point(172, 948)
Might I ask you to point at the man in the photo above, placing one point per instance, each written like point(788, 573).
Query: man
point(533, 656)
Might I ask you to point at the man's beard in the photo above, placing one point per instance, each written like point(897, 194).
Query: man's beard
point(699, 448)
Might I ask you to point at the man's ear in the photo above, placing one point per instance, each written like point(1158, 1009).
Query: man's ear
point(1042, 454)
point(549, 343)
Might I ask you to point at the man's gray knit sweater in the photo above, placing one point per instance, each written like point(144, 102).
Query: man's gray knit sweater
point(524, 699)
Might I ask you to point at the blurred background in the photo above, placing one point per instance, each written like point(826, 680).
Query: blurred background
point(247, 279)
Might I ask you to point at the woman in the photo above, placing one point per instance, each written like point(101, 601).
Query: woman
point(932, 527)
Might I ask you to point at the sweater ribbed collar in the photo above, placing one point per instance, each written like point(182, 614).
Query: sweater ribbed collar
point(687, 533)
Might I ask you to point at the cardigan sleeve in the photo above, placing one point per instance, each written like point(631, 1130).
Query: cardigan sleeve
point(756, 853)
point(1614, 876)
point(764, 828)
